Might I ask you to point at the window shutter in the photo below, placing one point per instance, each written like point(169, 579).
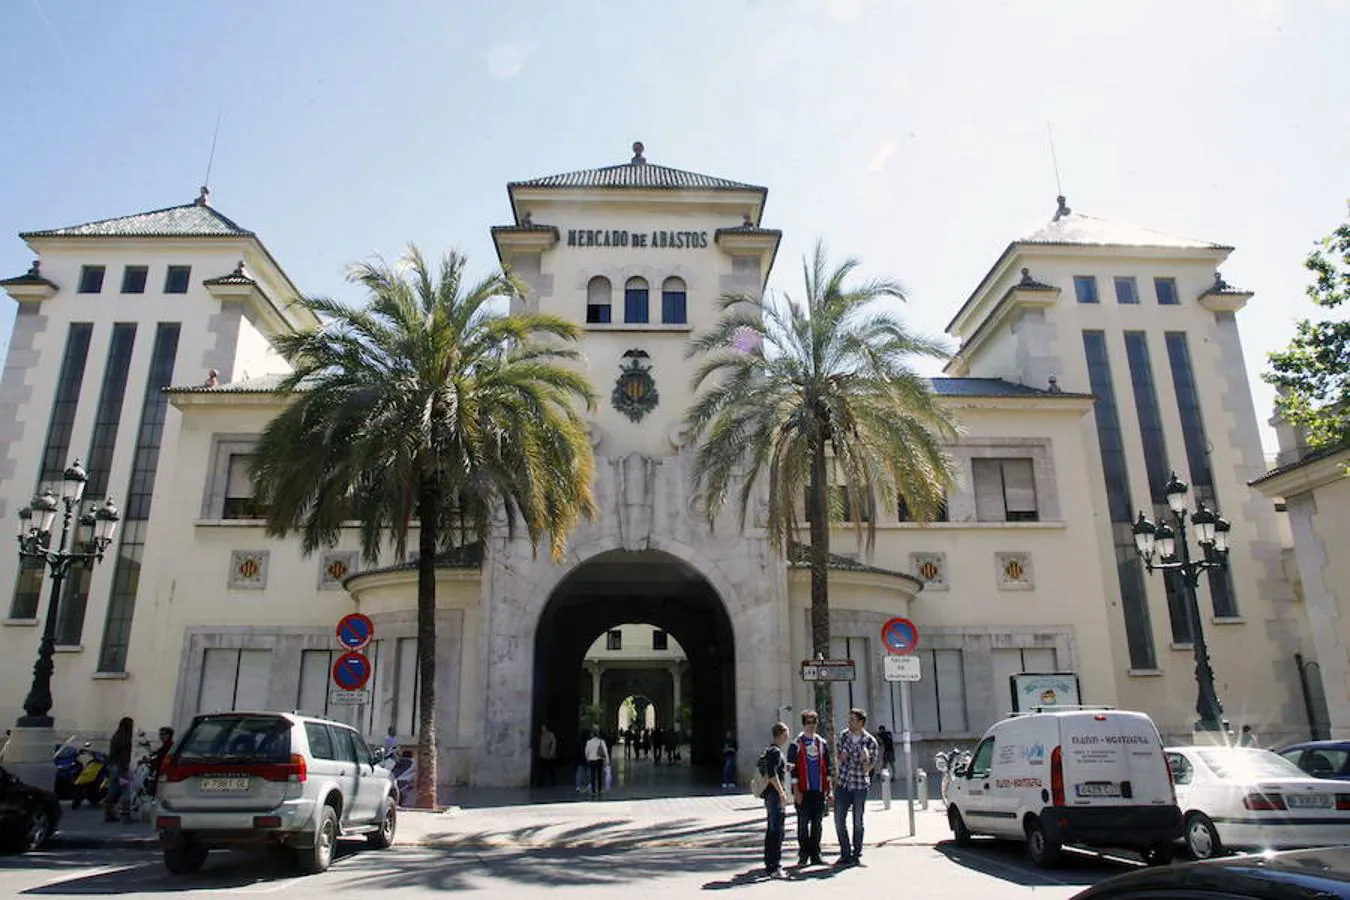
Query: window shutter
point(239, 485)
point(988, 490)
point(1019, 486)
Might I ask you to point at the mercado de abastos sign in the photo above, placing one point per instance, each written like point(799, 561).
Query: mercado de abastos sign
point(618, 237)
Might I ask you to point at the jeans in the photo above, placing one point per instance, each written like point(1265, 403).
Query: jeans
point(729, 770)
point(597, 775)
point(843, 800)
point(809, 814)
point(775, 825)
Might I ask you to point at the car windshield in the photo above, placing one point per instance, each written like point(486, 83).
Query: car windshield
point(1249, 764)
point(252, 738)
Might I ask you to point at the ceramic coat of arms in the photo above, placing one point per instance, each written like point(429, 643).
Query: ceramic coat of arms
point(635, 392)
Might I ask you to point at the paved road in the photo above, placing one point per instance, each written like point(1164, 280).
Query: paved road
point(635, 849)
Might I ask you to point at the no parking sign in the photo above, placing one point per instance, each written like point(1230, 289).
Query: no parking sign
point(900, 636)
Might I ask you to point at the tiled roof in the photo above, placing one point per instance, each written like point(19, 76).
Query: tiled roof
point(750, 229)
point(799, 558)
point(1076, 228)
point(469, 556)
point(1222, 287)
point(32, 276)
point(991, 387)
point(263, 384)
point(238, 276)
point(189, 220)
point(1307, 459)
point(637, 175)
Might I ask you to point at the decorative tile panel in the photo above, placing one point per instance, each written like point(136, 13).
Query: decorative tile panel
point(931, 569)
point(248, 569)
point(1014, 571)
point(334, 566)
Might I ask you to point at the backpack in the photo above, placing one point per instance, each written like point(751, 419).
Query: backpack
point(762, 779)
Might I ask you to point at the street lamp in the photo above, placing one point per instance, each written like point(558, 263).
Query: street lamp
point(35, 542)
point(1174, 554)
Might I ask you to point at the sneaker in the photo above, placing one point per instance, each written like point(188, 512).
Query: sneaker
point(817, 861)
point(803, 861)
point(777, 873)
point(843, 861)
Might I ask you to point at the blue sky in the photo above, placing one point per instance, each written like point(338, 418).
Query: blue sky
point(911, 134)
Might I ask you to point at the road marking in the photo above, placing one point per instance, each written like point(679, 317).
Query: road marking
point(93, 872)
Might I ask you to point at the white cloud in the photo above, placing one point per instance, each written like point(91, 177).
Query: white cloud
point(845, 10)
point(883, 155)
point(505, 61)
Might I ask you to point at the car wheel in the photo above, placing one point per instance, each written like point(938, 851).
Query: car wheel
point(185, 858)
point(1044, 851)
point(383, 837)
point(37, 829)
point(960, 833)
point(1202, 838)
point(316, 859)
point(1160, 854)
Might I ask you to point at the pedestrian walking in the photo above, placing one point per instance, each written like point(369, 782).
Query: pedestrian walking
point(809, 757)
point(115, 805)
point(887, 752)
point(774, 763)
point(597, 757)
point(857, 751)
point(548, 756)
point(729, 748)
point(1247, 738)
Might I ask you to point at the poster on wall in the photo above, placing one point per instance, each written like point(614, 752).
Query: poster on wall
point(1033, 690)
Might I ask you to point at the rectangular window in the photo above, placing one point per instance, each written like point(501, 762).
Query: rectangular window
point(614, 639)
point(91, 279)
point(315, 674)
point(940, 697)
point(841, 508)
point(405, 687)
point(903, 514)
point(1127, 291)
point(234, 679)
point(108, 415)
point(1085, 288)
point(1155, 461)
point(1005, 490)
point(673, 308)
point(56, 450)
point(1197, 445)
point(1166, 289)
point(176, 279)
point(599, 313)
point(140, 492)
point(27, 589)
point(660, 640)
point(239, 502)
point(133, 279)
point(635, 305)
point(74, 599)
point(1116, 476)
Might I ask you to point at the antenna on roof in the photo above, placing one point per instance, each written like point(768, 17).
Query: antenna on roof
point(1054, 159)
point(211, 158)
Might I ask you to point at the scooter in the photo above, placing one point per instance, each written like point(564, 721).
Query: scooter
point(92, 783)
point(66, 760)
point(952, 764)
point(404, 768)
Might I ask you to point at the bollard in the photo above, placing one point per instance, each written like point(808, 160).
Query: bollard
point(885, 788)
point(921, 787)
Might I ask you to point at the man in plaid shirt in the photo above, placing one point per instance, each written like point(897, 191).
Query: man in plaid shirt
point(858, 751)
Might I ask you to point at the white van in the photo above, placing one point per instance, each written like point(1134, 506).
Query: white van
point(1081, 776)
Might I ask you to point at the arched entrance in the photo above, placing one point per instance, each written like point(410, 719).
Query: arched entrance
point(651, 588)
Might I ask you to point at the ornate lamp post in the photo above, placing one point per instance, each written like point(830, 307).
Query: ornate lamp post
point(1211, 533)
point(35, 542)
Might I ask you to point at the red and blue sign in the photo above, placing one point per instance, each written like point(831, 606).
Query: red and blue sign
point(355, 631)
point(900, 636)
point(351, 671)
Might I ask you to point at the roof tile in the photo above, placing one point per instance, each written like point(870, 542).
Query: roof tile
point(189, 220)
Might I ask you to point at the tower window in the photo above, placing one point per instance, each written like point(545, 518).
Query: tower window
point(635, 307)
point(599, 301)
point(674, 309)
point(614, 639)
point(133, 279)
point(1166, 289)
point(1126, 290)
point(1085, 288)
point(91, 279)
point(176, 279)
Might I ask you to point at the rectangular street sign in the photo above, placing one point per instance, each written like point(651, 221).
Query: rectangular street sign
point(828, 670)
point(901, 668)
point(338, 697)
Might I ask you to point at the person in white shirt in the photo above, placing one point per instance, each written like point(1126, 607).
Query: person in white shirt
point(597, 755)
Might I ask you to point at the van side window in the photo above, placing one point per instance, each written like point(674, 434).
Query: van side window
point(1182, 770)
point(982, 761)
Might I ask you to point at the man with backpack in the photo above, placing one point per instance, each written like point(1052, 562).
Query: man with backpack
point(772, 765)
point(809, 755)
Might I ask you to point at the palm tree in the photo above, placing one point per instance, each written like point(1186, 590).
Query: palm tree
point(427, 409)
point(820, 399)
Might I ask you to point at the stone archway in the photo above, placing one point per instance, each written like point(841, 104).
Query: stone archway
point(645, 587)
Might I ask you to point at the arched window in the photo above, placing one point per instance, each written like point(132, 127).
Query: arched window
point(599, 300)
point(635, 300)
point(673, 306)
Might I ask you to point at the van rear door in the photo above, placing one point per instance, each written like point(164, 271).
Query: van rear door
point(1113, 758)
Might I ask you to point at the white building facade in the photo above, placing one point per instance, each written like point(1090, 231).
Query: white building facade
point(1075, 393)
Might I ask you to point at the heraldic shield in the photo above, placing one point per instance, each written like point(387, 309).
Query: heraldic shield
point(635, 392)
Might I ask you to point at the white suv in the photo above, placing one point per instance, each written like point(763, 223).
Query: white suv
point(267, 778)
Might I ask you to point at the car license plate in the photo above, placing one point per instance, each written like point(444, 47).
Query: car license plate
point(1308, 801)
point(225, 785)
point(1097, 789)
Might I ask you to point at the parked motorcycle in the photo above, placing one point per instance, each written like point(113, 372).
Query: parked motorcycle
point(404, 767)
point(951, 763)
point(66, 760)
point(91, 784)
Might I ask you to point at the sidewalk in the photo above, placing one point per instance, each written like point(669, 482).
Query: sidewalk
point(488, 819)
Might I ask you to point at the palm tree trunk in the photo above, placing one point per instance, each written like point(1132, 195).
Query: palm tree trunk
point(428, 500)
point(820, 581)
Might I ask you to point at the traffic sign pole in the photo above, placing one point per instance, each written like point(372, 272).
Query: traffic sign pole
point(909, 756)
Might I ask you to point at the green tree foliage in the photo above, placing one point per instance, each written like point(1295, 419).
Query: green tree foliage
point(1313, 373)
point(427, 410)
point(818, 401)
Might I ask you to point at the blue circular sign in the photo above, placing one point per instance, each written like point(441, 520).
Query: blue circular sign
point(351, 671)
point(900, 636)
point(355, 631)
